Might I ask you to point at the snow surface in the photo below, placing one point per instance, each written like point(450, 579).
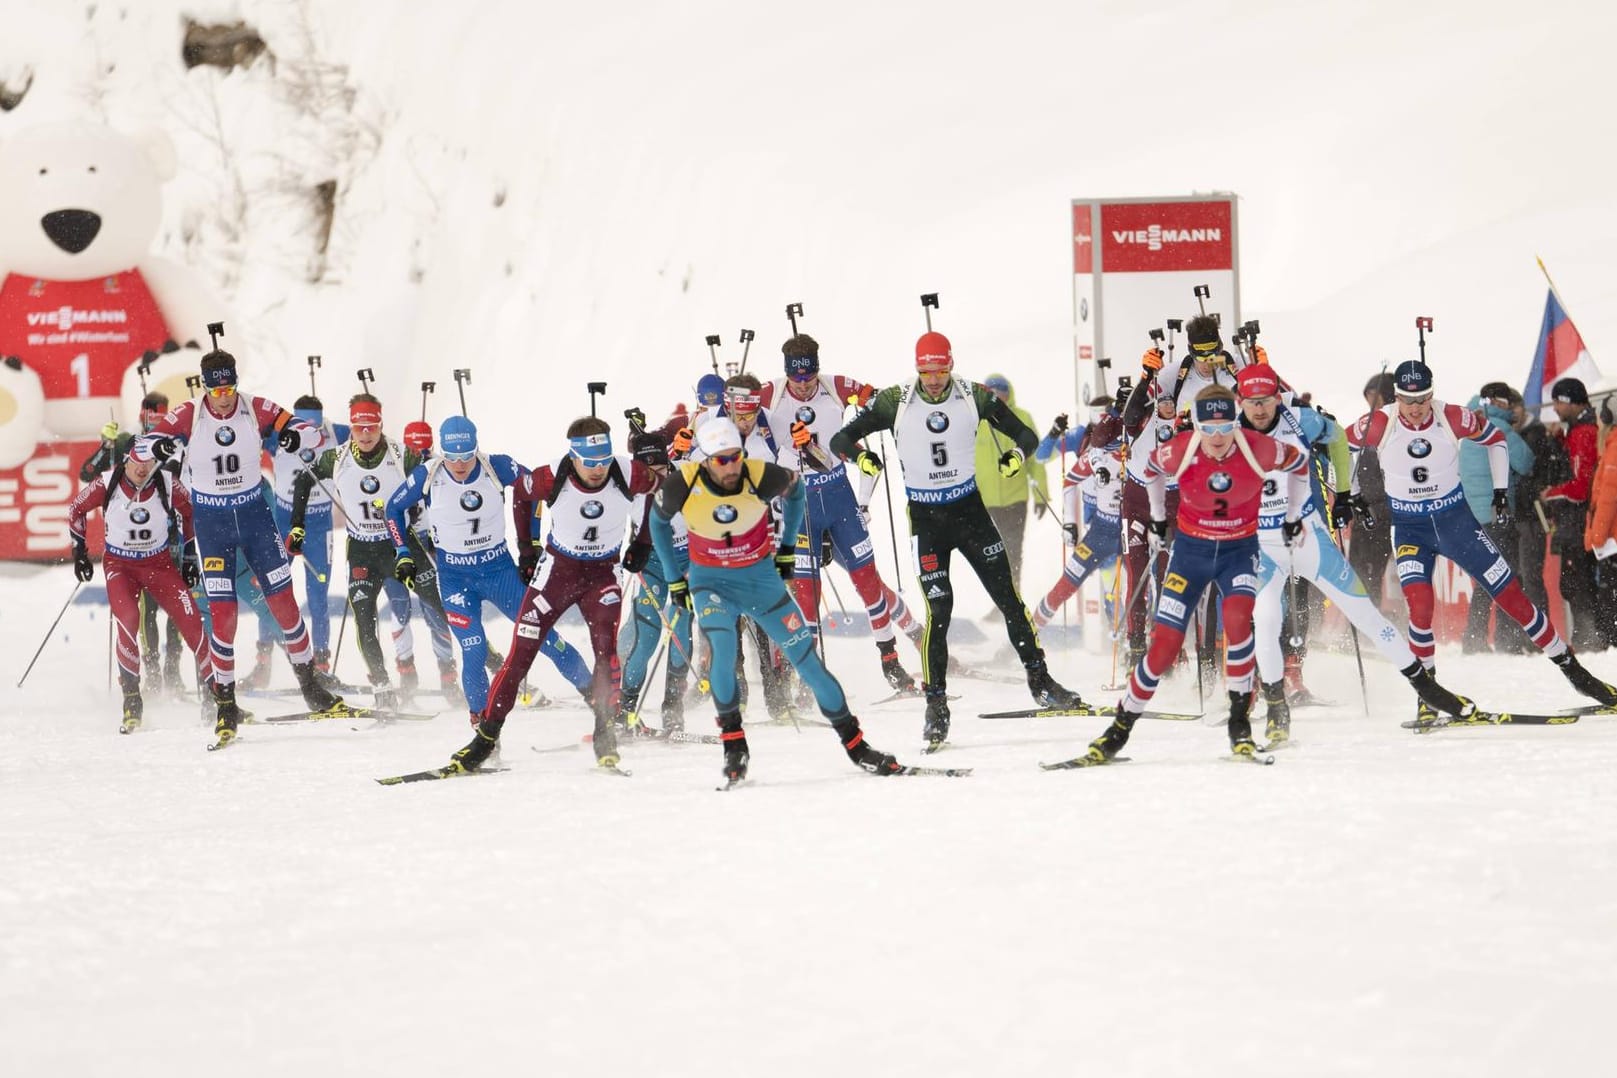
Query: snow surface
point(547, 193)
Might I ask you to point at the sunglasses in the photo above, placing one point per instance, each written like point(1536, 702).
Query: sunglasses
point(1422, 399)
point(1217, 428)
point(460, 458)
point(364, 428)
point(219, 392)
point(802, 376)
point(725, 458)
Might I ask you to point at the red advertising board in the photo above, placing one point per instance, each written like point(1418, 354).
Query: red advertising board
point(1083, 239)
point(1162, 237)
point(34, 500)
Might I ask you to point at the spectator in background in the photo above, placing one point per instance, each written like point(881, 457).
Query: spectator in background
point(1600, 534)
point(1007, 498)
point(1370, 540)
point(1476, 479)
point(1532, 522)
point(1569, 505)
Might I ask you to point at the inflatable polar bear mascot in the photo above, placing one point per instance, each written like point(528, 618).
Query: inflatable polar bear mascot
point(81, 299)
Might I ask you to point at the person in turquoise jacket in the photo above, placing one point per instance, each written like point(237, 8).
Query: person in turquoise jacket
point(1477, 483)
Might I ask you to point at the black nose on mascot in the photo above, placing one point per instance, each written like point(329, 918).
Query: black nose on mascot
point(71, 230)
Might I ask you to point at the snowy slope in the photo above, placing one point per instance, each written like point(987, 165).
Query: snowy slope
point(547, 194)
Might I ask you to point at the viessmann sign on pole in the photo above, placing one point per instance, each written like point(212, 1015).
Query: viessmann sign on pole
point(1135, 264)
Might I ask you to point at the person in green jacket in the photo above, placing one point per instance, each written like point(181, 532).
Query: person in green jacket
point(1007, 497)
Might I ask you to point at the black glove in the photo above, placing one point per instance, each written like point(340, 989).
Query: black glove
point(1104, 475)
point(528, 563)
point(868, 462)
point(635, 558)
point(83, 568)
point(1159, 528)
point(1502, 516)
point(636, 418)
point(1341, 512)
point(1072, 533)
point(679, 593)
point(1059, 427)
point(164, 448)
point(1290, 530)
point(828, 552)
point(404, 570)
point(786, 561)
point(1039, 509)
point(289, 439)
point(190, 571)
point(294, 540)
point(1361, 509)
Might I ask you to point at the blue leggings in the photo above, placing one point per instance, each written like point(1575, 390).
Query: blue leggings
point(645, 627)
point(721, 596)
point(316, 557)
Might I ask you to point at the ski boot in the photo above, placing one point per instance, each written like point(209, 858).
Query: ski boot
point(409, 680)
point(1297, 694)
point(315, 695)
point(893, 670)
point(1136, 651)
point(734, 740)
point(322, 671)
point(1583, 681)
point(133, 705)
point(1435, 701)
point(673, 711)
point(605, 741)
point(226, 715)
point(1241, 743)
point(626, 723)
point(861, 752)
point(153, 666)
point(1277, 728)
point(381, 689)
point(1046, 692)
point(936, 729)
point(173, 682)
point(1114, 737)
point(484, 743)
point(449, 683)
point(263, 656)
point(777, 686)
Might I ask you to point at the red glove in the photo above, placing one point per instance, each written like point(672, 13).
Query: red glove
point(1151, 362)
point(1259, 354)
point(801, 435)
point(861, 397)
point(682, 440)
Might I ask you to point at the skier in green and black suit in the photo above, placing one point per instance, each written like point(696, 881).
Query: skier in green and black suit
point(934, 423)
point(362, 473)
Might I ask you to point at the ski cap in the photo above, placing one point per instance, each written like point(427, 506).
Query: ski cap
point(739, 400)
point(933, 353)
point(367, 414)
point(1257, 380)
point(718, 435)
point(1569, 391)
point(418, 435)
point(459, 437)
point(1202, 332)
point(592, 449)
point(998, 383)
point(140, 452)
point(710, 391)
point(1412, 379)
point(802, 355)
point(1215, 410)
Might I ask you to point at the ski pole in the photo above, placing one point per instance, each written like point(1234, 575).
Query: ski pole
point(463, 378)
point(1203, 293)
point(314, 365)
point(892, 529)
point(794, 311)
point(746, 346)
point(1353, 632)
point(71, 596)
point(595, 389)
point(929, 303)
point(1423, 326)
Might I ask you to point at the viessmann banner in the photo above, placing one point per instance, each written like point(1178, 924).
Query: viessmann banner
point(1136, 263)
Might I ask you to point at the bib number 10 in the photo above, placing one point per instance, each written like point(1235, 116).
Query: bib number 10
point(226, 464)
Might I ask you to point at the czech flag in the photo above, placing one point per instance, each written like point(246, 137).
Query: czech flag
point(1560, 354)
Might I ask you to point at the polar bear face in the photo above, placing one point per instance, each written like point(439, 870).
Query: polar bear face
point(79, 201)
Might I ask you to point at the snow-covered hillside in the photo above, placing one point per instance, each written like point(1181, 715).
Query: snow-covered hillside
point(550, 193)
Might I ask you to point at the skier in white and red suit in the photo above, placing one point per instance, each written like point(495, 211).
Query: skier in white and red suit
point(140, 506)
point(1417, 439)
point(1147, 421)
point(804, 410)
point(1221, 470)
point(589, 494)
point(223, 433)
